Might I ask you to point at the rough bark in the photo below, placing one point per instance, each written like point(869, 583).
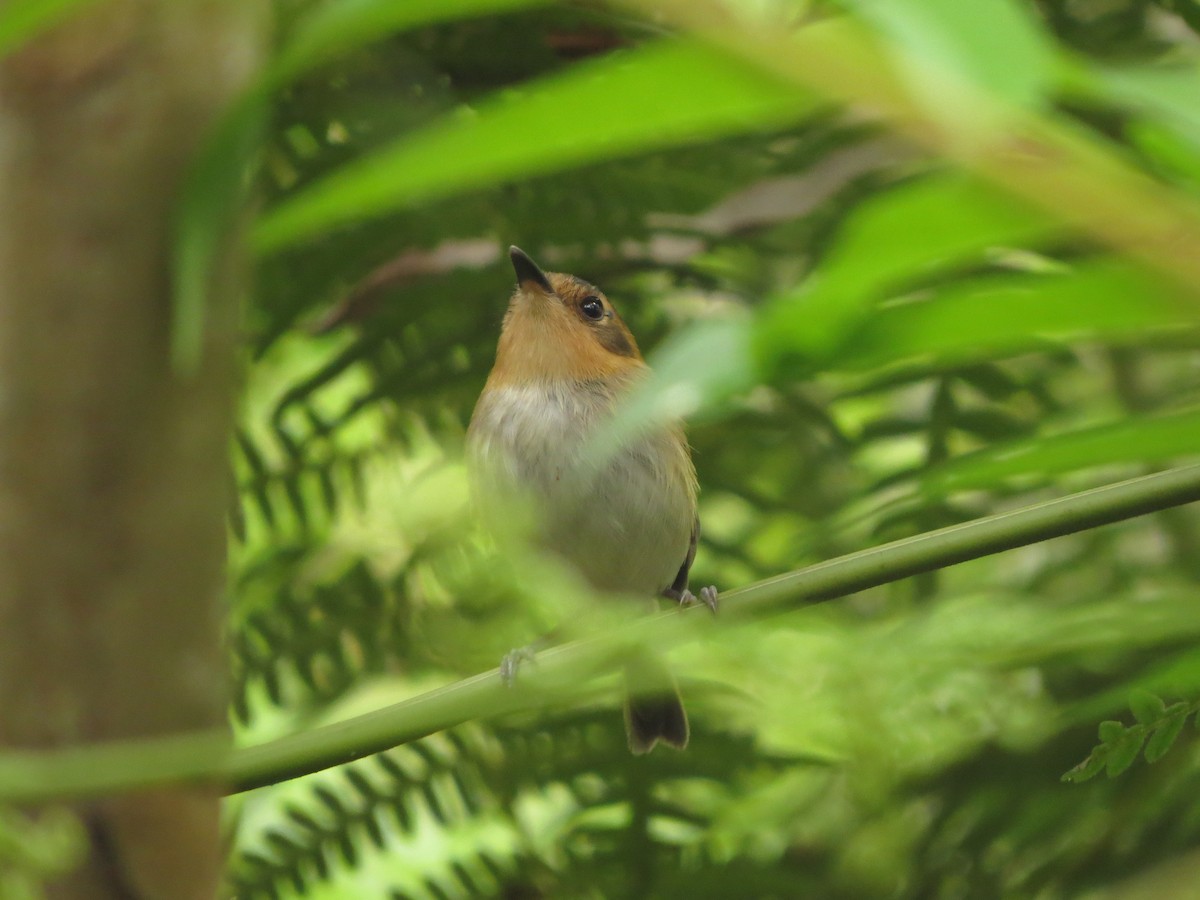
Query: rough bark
point(113, 468)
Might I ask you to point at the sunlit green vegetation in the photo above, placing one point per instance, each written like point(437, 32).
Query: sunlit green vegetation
point(902, 265)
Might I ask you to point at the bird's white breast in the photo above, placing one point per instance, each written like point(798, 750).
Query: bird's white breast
point(624, 522)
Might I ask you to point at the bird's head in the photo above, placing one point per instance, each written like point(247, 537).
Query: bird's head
point(559, 327)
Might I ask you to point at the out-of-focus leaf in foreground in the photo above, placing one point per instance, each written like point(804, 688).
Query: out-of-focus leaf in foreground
point(1148, 439)
point(653, 97)
point(335, 28)
point(902, 235)
point(22, 19)
point(1001, 315)
point(996, 44)
point(215, 189)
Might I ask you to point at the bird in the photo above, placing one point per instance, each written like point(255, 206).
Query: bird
point(627, 520)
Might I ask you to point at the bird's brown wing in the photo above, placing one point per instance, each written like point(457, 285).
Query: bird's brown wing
point(679, 586)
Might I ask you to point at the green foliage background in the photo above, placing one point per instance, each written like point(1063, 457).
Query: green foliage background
point(873, 338)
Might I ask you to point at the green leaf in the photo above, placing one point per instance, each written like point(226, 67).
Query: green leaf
point(1167, 149)
point(214, 193)
point(1147, 439)
point(1146, 707)
point(337, 27)
point(880, 248)
point(657, 96)
point(1111, 732)
point(959, 217)
point(20, 20)
point(1164, 736)
point(1166, 94)
point(1001, 315)
point(1122, 753)
point(693, 374)
point(1089, 768)
point(995, 45)
point(210, 202)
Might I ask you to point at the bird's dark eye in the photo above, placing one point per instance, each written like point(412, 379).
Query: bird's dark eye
point(592, 307)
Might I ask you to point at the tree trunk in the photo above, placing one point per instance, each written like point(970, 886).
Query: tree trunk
point(113, 467)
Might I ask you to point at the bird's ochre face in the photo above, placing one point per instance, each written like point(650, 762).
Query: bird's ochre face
point(560, 327)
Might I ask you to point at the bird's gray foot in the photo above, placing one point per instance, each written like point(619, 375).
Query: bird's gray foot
point(512, 661)
point(685, 598)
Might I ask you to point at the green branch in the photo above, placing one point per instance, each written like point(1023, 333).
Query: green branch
point(557, 674)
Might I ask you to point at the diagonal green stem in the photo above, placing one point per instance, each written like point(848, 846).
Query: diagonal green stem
point(971, 540)
point(559, 673)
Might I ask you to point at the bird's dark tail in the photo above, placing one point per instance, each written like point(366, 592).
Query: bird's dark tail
point(653, 710)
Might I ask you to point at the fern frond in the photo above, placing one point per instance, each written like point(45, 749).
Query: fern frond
point(321, 640)
point(1156, 728)
point(373, 804)
point(492, 773)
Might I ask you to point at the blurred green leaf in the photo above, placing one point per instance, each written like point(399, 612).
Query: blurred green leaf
point(696, 370)
point(1124, 750)
point(1164, 736)
point(994, 44)
point(693, 374)
point(1110, 731)
point(653, 97)
point(1146, 707)
point(1086, 770)
point(37, 848)
point(215, 190)
point(22, 19)
point(1166, 94)
point(927, 225)
point(1173, 155)
point(1178, 675)
point(1139, 440)
point(211, 199)
point(1004, 314)
point(342, 25)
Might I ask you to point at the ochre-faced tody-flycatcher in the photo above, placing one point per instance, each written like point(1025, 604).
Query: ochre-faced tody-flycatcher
point(626, 521)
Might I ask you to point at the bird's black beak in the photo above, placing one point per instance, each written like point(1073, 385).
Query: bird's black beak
point(528, 273)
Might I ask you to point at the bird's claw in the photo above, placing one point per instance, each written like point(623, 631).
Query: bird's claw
point(512, 661)
point(685, 598)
